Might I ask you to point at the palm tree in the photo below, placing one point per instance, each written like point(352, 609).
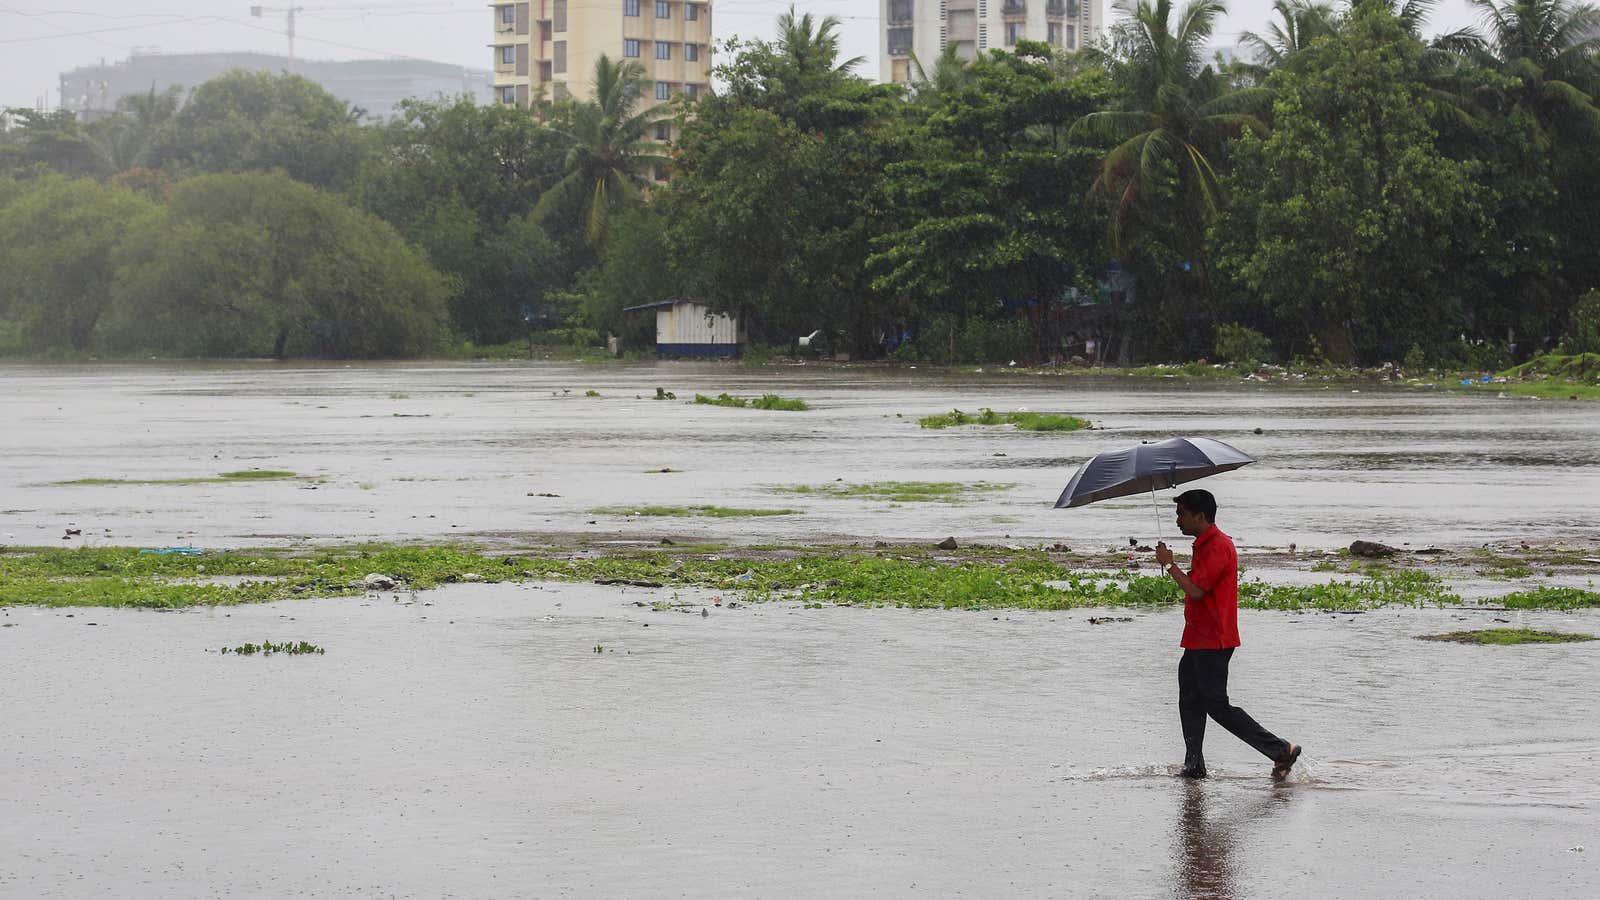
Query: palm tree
point(1549, 47)
point(812, 46)
point(1300, 23)
point(609, 159)
point(1176, 124)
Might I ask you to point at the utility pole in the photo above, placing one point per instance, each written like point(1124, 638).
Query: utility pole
point(289, 13)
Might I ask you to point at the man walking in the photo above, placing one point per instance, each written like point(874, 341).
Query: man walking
point(1210, 634)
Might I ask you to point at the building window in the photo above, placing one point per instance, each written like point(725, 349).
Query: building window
point(691, 12)
point(1054, 38)
point(508, 15)
point(900, 41)
point(663, 50)
point(663, 9)
point(508, 95)
point(691, 52)
point(663, 91)
point(1072, 37)
point(630, 8)
point(558, 57)
point(558, 13)
point(692, 91)
point(630, 48)
point(663, 131)
point(1015, 32)
point(508, 55)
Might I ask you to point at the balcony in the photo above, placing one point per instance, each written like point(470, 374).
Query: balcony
point(901, 12)
point(1014, 8)
point(1055, 8)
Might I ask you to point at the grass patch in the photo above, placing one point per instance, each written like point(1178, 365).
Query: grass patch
point(1551, 598)
point(897, 491)
point(765, 401)
point(267, 648)
point(1024, 421)
point(705, 510)
point(983, 578)
point(224, 478)
point(1505, 637)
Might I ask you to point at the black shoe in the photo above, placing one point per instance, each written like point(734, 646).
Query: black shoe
point(1192, 771)
point(1282, 765)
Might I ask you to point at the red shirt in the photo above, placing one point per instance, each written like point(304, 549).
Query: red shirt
point(1212, 622)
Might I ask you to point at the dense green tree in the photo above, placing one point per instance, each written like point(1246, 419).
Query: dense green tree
point(1299, 24)
point(34, 142)
point(1348, 223)
point(979, 212)
point(461, 181)
point(261, 265)
point(257, 122)
point(779, 191)
point(637, 268)
point(58, 243)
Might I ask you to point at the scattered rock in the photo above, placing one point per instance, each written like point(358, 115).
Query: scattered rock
point(380, 582)
point(704, 612)
point(1059, 548)
point(543, 494)
point(948, 543)
point(74, 532)
point(1430, 551)
point(1107, 620)
point(1258, 431)
point(880, 545)
point(668, 542)
point(629, 582)
point(1371, 549)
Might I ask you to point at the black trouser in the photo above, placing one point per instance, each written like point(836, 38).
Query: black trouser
point(1203, 691)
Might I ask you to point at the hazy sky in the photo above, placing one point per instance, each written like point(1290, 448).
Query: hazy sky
point(39, 39)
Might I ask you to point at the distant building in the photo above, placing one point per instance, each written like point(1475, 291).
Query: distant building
point(690, 328)
point(376, 86)
point(923, 28)
point(549, 47)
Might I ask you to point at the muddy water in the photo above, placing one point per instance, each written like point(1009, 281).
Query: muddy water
point(469, 742)
point(402, 452)
point(472, 743)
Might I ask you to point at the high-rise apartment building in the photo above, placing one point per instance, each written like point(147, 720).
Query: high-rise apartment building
point(550, 46)
point(921, 29)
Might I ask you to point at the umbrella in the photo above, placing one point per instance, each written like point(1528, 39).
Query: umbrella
point(1119, 473)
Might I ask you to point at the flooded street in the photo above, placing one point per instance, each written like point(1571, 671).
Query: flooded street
point(407, 452)
point(547, 740)
point(480, 747)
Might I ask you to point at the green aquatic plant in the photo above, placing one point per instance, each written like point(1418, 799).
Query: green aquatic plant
point(267, 648)
point(591, 393)
point(1508, 637)
point(765, 401)
point(1023, 421)
point(663, 394)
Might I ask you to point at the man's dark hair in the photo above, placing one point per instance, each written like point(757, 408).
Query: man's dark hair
point(1198, 501)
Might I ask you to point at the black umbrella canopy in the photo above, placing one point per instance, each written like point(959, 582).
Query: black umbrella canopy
point(1137, 470)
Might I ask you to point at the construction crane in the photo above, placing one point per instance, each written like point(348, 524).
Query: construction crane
point(289, 13)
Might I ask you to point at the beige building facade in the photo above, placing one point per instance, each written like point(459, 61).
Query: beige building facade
point(549, 47)
point(917, 31)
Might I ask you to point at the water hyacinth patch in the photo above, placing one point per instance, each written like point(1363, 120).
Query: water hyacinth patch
point(765, 401)
point(1023, 421)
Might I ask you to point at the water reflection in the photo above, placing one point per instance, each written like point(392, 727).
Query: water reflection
point(1208, 825)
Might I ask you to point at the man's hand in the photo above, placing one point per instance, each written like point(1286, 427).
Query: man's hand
point(1163, 554)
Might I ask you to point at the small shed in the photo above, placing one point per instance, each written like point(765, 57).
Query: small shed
point(690, 328)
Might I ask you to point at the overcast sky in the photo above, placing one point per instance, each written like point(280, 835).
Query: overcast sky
point(39, 39)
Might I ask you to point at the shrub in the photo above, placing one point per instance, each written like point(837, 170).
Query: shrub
point(1242, 346)
point(1583, 328)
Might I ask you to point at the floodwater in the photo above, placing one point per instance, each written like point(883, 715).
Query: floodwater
point(408, 452)
point(471, 742)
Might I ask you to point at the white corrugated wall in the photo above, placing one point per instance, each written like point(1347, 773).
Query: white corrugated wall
point(688, 323)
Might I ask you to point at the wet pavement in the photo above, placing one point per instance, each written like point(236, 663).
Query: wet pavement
point(472, 743)
point(409, 452)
